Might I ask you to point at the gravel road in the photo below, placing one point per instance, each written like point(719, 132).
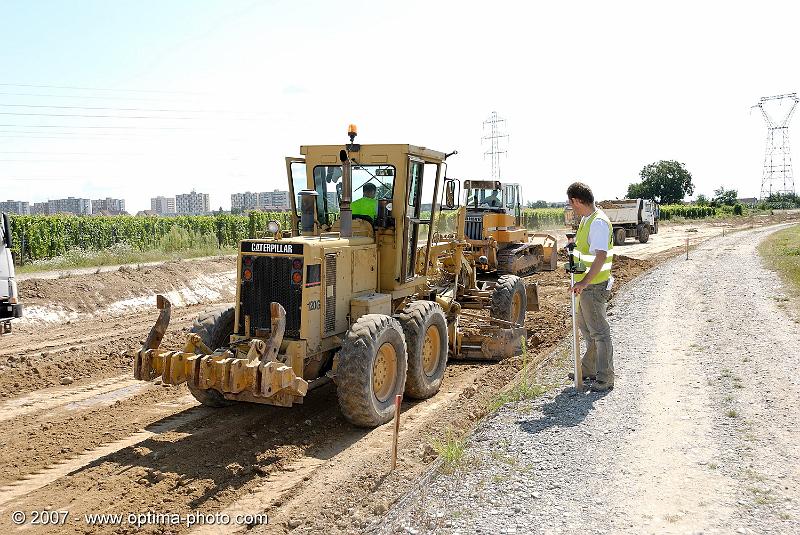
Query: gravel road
point(699, 435)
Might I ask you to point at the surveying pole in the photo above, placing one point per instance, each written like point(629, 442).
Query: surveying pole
point(573, 268)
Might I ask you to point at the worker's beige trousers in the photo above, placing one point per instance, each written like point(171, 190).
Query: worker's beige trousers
point(591, 316)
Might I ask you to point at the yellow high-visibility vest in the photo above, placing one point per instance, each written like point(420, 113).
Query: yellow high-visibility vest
point(365, 206)
point(581, 250)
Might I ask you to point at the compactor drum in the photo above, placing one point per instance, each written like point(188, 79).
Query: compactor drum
point(351, 293)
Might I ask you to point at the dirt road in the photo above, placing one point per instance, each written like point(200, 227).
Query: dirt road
point(103, 443)
point(699, 435)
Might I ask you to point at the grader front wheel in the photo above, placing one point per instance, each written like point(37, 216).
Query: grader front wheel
point(509, 300)
point(371, 370)
point(215, 329)
point(425, 328)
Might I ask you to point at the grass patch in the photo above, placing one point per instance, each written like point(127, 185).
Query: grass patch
point(781, 253)
point(501, 457)
point(731, 413)
point(762, 496)
point(525, 388)
point(713, 466)
point(451, 448)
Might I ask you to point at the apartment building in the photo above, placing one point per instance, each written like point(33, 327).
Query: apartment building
point(109, 205)
point(273, 200)
point(244, 201)
point(192, 203)
point(15, 207)
point(163, 205)
point(70, 205)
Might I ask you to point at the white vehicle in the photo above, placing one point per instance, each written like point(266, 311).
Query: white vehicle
point(630, 218)
point(9, 298)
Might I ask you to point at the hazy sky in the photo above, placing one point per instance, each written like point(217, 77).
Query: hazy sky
point(136, 99)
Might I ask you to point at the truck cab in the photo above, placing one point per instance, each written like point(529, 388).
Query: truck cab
point(9, 298)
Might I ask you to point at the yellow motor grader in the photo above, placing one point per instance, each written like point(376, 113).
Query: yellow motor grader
point(495, 232)
point(342, 296)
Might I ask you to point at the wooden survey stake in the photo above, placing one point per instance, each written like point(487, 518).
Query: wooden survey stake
point(397, 401)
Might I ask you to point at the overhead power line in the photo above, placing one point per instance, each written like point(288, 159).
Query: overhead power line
point(87, 116)
point(104, 89)
point(132, 109)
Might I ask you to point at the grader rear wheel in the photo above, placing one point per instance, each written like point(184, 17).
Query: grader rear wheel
point(509, 300)
point(215, 329)
point(425, 328)
point(371, 370)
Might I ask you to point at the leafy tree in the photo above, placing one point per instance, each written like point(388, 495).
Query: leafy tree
point(702, 200)
point(665, 181)
point(725, 197)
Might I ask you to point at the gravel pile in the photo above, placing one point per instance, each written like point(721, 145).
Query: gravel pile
point(699, 435)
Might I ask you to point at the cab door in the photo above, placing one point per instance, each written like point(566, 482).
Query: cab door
point(298, 180)
point(421, 207)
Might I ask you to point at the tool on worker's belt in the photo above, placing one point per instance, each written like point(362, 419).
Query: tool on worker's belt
point(573, 268)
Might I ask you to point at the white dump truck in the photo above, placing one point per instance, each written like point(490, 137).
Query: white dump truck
point(630, 218)
point(9, 298)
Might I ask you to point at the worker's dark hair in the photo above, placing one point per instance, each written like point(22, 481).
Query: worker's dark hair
point(369, 186)
point(580, 191)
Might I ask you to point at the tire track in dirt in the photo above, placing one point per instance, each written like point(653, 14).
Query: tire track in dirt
point(63, 467)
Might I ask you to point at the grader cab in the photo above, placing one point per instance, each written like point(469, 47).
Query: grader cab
point(341, 296)
point(495, 232)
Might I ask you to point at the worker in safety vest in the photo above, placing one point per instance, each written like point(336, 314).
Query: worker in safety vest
point(594, 250)
point(368, 204)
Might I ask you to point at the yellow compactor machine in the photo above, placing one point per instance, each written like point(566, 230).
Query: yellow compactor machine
point(495, 231)
point(342, 296)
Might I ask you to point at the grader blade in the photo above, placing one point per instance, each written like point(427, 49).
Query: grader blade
point(493, 343)
point(550, 246)
point(252, 373)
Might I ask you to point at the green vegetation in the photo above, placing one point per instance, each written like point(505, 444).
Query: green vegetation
point(665, 181)
point(781, 252)
point(525, 388)
point(451, 449)
point(183, 246)
point(120, 238)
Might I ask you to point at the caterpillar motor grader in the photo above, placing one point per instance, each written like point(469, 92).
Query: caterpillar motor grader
point(495, 232)
point(344, 298)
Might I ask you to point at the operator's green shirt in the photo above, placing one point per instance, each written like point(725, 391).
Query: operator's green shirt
point(365, 206)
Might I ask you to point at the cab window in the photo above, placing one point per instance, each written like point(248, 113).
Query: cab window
point(328, 183)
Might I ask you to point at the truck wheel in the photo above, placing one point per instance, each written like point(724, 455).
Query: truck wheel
point(215, 329)
point(509, 300)
point(371, 370)
point(619, 236)
point(425, 329)
point(644, 233)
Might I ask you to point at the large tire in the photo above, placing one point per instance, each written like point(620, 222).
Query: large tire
point(619, 236)
point(215, 329)
point(425, 329)
point(371, 370)
point(644, 233)
point(509, 301)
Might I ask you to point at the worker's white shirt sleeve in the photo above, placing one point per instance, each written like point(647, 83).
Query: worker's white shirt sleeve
point(598, 236)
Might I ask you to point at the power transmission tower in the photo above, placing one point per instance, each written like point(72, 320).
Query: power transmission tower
point(493, 124)
point(777, 178)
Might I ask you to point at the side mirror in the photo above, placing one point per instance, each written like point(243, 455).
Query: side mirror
point(7, 238)
point(451, 193)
